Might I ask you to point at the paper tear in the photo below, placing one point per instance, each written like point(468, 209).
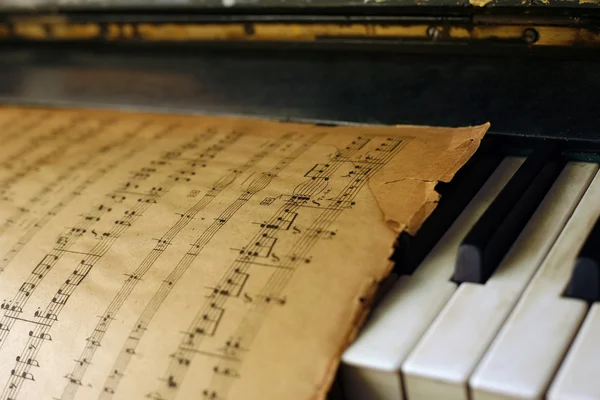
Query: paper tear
point(438, 153)
point(415, 179)
point(328, 298)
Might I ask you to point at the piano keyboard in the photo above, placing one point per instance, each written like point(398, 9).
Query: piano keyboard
point(502, 306)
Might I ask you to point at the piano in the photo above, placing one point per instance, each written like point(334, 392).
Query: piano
point(497, 296)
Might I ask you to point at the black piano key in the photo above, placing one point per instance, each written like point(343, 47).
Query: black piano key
point(455, 196)
point(493, 234)
point(585, 279)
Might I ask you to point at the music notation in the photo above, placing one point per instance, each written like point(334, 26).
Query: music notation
point(169, 282)
point(231, 286)
point(44, 215)
point(137, 248)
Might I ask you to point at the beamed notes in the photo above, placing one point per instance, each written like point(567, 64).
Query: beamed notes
point(179, 257)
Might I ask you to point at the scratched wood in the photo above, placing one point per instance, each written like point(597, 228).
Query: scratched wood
point(62, 28)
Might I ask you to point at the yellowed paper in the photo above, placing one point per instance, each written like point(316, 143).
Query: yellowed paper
point(174, 257)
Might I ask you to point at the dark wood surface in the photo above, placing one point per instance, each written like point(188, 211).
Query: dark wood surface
point(522, 96)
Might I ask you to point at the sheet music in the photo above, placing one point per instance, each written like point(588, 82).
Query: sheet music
point(181, 257)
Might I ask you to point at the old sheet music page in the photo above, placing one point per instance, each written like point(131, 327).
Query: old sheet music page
point(179, 257)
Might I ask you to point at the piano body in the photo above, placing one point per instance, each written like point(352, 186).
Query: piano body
point(497, 296)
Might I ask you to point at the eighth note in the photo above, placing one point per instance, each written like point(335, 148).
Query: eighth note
point(209, 394)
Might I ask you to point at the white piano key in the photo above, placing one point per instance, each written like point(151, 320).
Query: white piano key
point(441, 363)
point(528, 350)
point(414, 301)
point(579, 376)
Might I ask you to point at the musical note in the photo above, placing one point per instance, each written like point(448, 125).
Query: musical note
point(171, 381)
point(153, 220)
point(209, 395)
point(274, 299)
point(225, 371)
point(232, 347)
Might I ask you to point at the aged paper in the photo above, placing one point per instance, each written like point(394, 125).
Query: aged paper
point(175, 257)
